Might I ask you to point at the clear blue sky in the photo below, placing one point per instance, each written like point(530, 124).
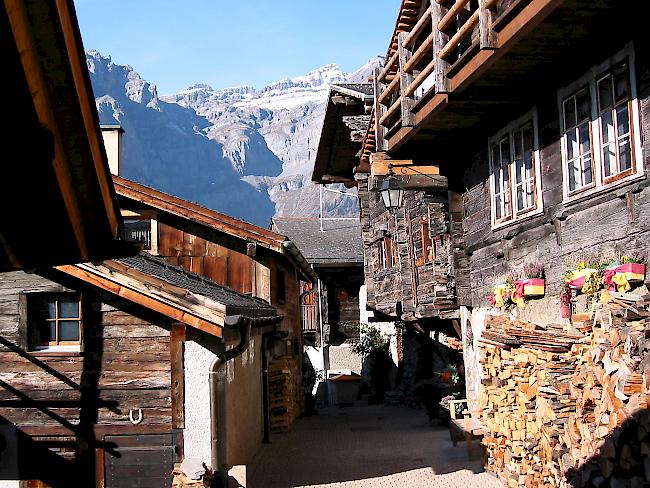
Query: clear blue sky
point(175, 43)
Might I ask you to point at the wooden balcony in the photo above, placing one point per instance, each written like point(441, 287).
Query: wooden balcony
point(452, 63)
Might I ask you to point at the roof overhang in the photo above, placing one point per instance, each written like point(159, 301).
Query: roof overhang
point(163, 202)
point(59, 198)
point(177, 303)
point(344, 126)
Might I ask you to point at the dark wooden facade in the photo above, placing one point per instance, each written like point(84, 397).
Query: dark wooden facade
point(239, 255)
point(536, 61)
point(65, 404)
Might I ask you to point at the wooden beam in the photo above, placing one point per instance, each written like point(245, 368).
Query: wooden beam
point(439, 66)
point(417, 28)
point(486, 17)
point(196, 213)
point(406, 79)
point(77, 58)
point(176, 340)
point(451, 14)
point(463, 32)
point(380, 132)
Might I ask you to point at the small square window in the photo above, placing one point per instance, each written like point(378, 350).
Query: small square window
point(54, 321)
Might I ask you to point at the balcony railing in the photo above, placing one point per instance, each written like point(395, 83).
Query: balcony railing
point(446, 36)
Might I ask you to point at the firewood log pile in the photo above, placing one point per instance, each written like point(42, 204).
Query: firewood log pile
point(567, 405)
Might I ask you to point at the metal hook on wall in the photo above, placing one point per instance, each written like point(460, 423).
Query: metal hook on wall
point(135, 421)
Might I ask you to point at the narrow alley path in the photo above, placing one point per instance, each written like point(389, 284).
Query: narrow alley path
point(366, 447)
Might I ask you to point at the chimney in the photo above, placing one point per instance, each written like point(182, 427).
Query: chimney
point(112, 135)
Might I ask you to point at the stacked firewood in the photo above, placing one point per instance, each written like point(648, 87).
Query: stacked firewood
point(565, 406)
point(282, 394)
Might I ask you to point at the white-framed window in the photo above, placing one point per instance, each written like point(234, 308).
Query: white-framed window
point(54, 321)
point(515, 181)
point(601, 139)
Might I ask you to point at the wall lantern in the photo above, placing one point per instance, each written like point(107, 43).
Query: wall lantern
point(392, 193)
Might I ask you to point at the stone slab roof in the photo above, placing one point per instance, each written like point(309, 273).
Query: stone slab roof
point(339, 242)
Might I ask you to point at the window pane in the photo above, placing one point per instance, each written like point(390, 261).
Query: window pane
point(583, 103)
point(521, 198)
point(519, 150)
point(572, 144)
point(68, 330)
point(625, 153)
point(609, 160)
point(497, 207)
point(605, 95)
point(587, 176)
point(569, 113)
point(51, 309)
point(607, 127)
point(621, 84)
point(622, 120)
point(585, 139)
point(68, 309)
point(572, 171)
point(45, 333)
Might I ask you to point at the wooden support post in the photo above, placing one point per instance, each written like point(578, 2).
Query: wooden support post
point(380, 141)
point(440, 39)
point(405, 80)
point(176, 341)
point(488, 38)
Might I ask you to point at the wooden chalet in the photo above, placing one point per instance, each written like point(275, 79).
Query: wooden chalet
point(331, 317)
point(537, 114)
point(98, 384)
point(411, 267)
point(248, 259)
point(57, 182)
point(535, 111)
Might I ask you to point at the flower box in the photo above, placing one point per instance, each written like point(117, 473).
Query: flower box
point(619, 277)
point(578, 278)
point(632, 271)
point(534, 287)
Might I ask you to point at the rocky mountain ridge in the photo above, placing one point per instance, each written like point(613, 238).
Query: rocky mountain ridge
point(195, 142)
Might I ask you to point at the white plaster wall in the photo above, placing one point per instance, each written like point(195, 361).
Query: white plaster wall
point(472, 322)
point(244, 409)
point(196, 435)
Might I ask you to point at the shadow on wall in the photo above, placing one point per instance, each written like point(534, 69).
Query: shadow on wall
point(622, 460)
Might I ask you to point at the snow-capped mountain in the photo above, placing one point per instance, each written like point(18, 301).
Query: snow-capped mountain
point(195, 141)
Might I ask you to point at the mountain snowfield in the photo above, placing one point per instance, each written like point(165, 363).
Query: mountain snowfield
point(243, 151)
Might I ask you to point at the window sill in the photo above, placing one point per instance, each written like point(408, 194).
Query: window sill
point(517, 220)
point(54, 354)
point(584, 195)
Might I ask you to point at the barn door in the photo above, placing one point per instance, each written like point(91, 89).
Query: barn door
point(139, 461)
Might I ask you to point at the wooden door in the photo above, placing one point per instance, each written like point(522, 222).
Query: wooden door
point(142, 461)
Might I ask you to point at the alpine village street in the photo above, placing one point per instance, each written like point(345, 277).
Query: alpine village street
point(463, 303)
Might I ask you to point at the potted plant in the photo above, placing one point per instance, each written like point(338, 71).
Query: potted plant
point(576, 277)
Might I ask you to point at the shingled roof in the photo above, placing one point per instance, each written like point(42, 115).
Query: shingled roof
point(339, 242)
point(195, 283)
point(181, 295)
